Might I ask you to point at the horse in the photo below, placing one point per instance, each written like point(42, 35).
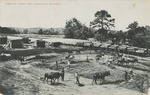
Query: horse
point(53, 76)
point(100, 76)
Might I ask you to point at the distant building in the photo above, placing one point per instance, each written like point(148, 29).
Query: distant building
point(3, 39)
point(26, 40)
point(16, 43)
point(11, 42)
point(40, 43)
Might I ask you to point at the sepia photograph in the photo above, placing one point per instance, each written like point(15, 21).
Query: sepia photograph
point(74, 47)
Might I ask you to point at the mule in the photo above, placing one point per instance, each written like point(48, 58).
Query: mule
point(49, 76)
point(57, 75)
point(53, 76)
point(100, 76)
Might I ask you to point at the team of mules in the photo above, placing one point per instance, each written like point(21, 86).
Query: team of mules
point(100, 76)
point(53, 76)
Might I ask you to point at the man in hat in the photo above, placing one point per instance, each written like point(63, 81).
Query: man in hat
point(77, 78)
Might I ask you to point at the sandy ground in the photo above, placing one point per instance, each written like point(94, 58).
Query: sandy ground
point(68, 86)
point(26, 81)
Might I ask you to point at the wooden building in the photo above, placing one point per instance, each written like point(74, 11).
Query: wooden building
point(3, 39)
point(40, 43)
point(15, 43)
point(26, 40)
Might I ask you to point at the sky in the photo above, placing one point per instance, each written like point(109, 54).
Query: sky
point(55, 13)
